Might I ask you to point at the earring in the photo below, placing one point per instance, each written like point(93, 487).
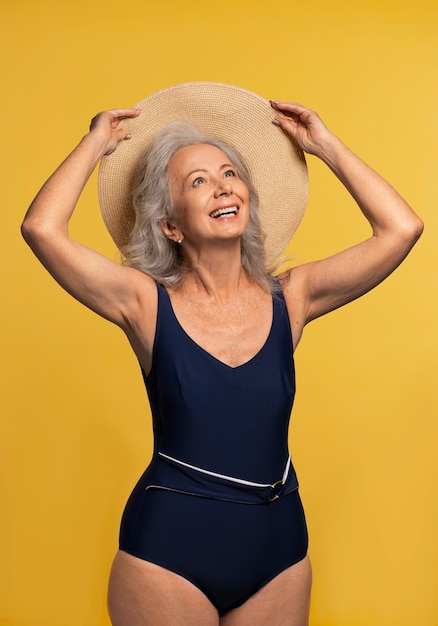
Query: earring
point(179, 241)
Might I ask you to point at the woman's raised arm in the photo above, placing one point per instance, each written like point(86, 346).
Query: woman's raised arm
point(101, 284)
point(324, 285)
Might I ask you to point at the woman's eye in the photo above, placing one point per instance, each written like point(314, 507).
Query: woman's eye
point(229, 173)
point(198, 181)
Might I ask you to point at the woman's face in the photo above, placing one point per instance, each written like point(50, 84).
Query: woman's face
point(210, 201)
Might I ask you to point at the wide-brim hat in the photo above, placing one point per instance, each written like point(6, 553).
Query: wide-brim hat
point(244, 119)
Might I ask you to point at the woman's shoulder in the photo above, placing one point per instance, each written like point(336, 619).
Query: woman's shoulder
point(144, 296)
point(293, 290)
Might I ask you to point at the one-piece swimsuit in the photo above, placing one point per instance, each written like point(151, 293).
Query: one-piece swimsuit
point(219, 502)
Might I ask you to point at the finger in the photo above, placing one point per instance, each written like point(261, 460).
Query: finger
point(290, 109)
point(286, 123)
point(118, 115)
point(124, 113)
point(122, 133)
point(287, 106)
point(114, 116)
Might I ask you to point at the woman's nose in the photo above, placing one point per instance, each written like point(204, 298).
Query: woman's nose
point(223, 187)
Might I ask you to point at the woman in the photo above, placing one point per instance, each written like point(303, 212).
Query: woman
point(214, 532)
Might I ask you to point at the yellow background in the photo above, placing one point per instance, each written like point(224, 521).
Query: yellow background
point(75, 425)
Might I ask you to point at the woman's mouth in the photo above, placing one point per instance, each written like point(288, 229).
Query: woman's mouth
point(225, 212)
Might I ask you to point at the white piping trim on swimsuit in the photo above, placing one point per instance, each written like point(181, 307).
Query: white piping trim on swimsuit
point(241, 481)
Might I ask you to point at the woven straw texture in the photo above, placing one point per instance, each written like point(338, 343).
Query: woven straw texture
point(240, 117)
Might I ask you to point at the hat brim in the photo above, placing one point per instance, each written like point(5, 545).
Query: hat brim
point(244, 119)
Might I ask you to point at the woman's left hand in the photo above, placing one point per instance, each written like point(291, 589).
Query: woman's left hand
point(304, 126)
point(329, 283)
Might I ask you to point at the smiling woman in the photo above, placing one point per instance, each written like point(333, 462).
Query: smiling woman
point(214, 531)
point(154, 198)
point(217, 197)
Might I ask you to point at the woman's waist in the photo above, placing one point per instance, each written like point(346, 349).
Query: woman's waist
point(174, 474)
point(258, 456)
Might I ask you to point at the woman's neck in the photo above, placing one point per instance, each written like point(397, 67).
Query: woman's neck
point(218, 273)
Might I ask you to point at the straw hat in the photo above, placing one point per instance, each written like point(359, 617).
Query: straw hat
point(235, 115)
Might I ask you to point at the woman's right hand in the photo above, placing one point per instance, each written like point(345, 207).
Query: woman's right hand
point(112, 290)
point(105, 125)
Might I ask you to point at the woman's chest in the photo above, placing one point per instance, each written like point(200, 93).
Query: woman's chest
point(232, 333)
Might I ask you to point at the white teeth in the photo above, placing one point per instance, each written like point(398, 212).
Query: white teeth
point(230, 210)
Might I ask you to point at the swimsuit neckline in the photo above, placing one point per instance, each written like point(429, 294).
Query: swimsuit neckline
point(211, 356)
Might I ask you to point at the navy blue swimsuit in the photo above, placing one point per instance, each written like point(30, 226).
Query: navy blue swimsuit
point(219, 502)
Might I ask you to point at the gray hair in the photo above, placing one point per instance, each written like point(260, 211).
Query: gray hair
point(149, 249)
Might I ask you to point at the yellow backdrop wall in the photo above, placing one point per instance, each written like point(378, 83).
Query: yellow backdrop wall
point(75, 427)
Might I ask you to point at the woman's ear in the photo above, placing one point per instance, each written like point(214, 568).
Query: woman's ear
point(172, 232)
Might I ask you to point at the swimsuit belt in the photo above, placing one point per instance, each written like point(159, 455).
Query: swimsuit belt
point(170, 474)
point(240, 481)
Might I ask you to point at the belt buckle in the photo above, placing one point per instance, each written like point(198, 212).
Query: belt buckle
point(274, 497)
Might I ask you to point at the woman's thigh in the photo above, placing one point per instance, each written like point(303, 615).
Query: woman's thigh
point(284, 600)
point(144, 594)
